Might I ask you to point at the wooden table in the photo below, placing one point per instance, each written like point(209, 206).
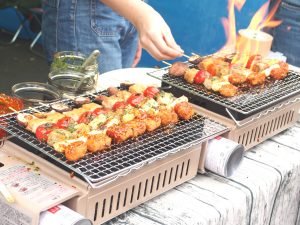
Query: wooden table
point(264, 190)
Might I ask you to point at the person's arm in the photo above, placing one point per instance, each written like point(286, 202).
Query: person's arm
point(155, 35)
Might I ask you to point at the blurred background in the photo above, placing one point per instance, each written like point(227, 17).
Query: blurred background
point(196, 26)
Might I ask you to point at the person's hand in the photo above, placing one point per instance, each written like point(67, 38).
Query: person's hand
point(156, 37)
point(138, 55)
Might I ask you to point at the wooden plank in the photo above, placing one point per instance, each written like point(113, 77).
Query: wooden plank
point(286, 161)
point(289, 137)
point(131, 218)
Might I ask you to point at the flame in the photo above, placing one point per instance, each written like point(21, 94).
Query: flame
point(260, 20)
point(229, 25)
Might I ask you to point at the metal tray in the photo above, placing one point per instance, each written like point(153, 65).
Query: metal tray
point(104, 167)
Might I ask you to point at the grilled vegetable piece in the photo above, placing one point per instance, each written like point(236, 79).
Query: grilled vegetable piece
point(135, 99)
point(167, 116)
point(98, 141)
point(200, 77)
point(137, 89)
point(43, 131)
point(74, 149)
point(79, 101)
point(60, 107)
point(24, 118)
point(184, 110)
point(59, 135)
point(228, 90)
point(190, 75)
point(178, 69)
point(151, 92)
point(256, 78)
point(65, 122)
point(80, 130)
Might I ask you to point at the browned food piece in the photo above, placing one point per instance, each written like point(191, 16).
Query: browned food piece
point(137, 89)
point(256, 78)
point(24, 118)
point(280, 73)
point(119, 133)
point(112, 90)
point(195, 59)
point(98, 141)
point(260, 66)
point(138, 127)
point(167, 116)
point(237, 78)
point(228, 90)
point(190, 74)
point(60, 107)
point(75, 150)
point(152, 123)
point(178, 69)
point(184, 110)
point(79, 101)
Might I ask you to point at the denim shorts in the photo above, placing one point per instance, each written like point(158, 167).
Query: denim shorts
point(86, 25)
point(287, 35)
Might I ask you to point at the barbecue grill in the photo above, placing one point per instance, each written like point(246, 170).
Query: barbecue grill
point(246, 104)
point(114, 181)
point(252, 117)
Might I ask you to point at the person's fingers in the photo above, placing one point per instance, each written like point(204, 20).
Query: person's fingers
point(152, 49)
point(170, 41)
point(138, 55)
point(160, 43)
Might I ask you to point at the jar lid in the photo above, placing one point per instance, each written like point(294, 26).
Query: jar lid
point(33, 93)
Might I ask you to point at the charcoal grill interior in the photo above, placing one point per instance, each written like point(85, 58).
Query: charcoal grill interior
point(98, 167)
point(248, 102)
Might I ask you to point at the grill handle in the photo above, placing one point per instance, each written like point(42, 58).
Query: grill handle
point(240, 124)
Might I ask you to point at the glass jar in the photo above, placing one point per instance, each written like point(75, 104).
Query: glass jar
point(68, 75)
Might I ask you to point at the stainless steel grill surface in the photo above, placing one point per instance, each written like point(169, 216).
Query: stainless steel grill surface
point(248, 102)
point(120, 159)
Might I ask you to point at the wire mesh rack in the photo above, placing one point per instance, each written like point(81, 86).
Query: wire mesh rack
point(248, 101)
point(103, 167)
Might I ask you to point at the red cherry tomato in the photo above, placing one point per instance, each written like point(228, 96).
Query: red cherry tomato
point(135, 99)
point(65, 122)
point(211, 69)
point(43, 131)
point(86, 117)
point(252, 59)
point(151, 91)
point(99, 111)
point(200, 77)
point(119, 105)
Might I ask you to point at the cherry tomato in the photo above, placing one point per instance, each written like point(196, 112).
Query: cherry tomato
point(65, 122)
point(211, 69)
point(200, 77)
point(43, 131)
point(252, 59)
point(119, 105)
point(151, 91)
point(99, 111)
point(135, 99)
point(86, 117)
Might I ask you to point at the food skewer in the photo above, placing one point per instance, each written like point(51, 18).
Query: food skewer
point(168, 64)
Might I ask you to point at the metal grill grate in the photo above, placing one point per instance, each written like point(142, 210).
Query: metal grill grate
point(124, 157)
point(247, 102)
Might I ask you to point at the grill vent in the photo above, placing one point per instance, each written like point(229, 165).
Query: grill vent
point(264, 130)
point(145, 189)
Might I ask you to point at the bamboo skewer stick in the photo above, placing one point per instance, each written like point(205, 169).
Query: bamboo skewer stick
point(186, 56)
point(169, 64)
point(12, 109)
